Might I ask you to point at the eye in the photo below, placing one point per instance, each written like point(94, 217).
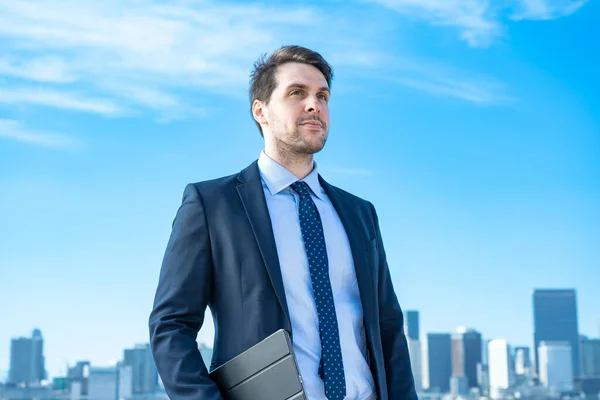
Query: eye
point(323, 96)
point(295, 92)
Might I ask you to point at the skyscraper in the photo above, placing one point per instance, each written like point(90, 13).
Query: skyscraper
point(466, 354)
point(411, 318)
point(522, 361)
point(555, 319)
point(411, 327)
point(501, 375)
point(143, 369)
point(27, 360)
point(590, 357)
point(414, 350)
point(555, 369)
point(439, 362)
point(103, 383)
point(79, 374)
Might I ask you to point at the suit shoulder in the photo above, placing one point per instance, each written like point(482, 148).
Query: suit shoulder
point(359, 201)
point(216, 183)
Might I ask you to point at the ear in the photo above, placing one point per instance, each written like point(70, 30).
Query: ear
point(260, 112)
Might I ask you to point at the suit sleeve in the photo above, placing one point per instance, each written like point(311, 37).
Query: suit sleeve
point(182, 295)
point(398, 369)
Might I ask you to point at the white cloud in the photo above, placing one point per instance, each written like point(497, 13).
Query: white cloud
point(15, 130)
point(546, 9)
point(474, 18)
point(439, 80)
point(482, 92)
point(42, 69)
point(480, 21)
point(157, 50)
point(114, 57)
point(59, 99)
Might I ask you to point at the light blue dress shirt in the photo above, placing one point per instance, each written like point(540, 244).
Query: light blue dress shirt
point(282, 203)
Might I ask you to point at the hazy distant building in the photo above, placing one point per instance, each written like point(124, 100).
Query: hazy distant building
point(125, 382)
point(206, 353)
point(590, 387)
point(556, 372)
point(415, 352)
point(437, 355)
point(590, 357)
point(484, 351)
point(501, 374)
point(522, 361)
point(411, 328)
point(80, 370)
point(459, 386)
point(483, 377)
point(79, 375)
point(555, 320)
point(411, 318)
point(75, 391)
point(27, 360)
point(466, 354)
point(143, 369)
point(103, 383)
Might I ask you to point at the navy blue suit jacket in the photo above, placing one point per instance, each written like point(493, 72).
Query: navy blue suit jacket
point(222, 254)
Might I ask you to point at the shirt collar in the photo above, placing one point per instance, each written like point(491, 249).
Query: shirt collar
point(278, 178)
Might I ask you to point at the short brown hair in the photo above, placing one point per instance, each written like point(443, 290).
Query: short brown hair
point(262, 78)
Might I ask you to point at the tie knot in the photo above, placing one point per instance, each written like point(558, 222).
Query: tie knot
point(301, 188)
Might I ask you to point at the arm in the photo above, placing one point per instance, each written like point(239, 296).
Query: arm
point(395, 347)
point(184, 288)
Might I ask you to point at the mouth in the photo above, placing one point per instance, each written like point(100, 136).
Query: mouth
point(313, 124)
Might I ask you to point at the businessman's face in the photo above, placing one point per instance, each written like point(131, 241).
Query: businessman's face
point(297, 115)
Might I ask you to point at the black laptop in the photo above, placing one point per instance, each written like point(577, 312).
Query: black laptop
point(266, 371)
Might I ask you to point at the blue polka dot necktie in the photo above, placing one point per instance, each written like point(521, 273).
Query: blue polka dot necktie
point(332, 367)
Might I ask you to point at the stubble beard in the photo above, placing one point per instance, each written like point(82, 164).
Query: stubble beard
point(296, 148)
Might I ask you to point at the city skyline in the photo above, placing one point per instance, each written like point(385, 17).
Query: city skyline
point(456, 363)
point(452, 335)
point(471, 129)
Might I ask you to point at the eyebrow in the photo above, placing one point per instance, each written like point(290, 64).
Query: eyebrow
point(303, 86)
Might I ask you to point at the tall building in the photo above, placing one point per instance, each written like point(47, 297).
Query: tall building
point(555, 319)
point(556, 372)
point(411, 328)
point(125, 382)
point(78, 376)
point(466, 354)
point(415, 352)
point(437, 353)
point(103, 383)
point(27, 360)
point(484, 351)
point(143, 369)
point(483, 377)
point(81, 370)
point(501, 374)
point(522, 361)
point(459, 386)
point(411, 318)
point(206, 353)
point(590, 357)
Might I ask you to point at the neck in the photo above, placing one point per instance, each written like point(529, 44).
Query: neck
point(298, 164)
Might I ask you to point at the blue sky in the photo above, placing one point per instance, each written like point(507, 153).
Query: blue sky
point(473, 126)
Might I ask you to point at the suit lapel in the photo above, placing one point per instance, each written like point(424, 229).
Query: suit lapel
point(253, 198)
point(355, 232)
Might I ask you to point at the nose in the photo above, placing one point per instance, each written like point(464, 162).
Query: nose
point(312, 105)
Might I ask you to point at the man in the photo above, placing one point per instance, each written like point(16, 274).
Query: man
point(276, 246)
